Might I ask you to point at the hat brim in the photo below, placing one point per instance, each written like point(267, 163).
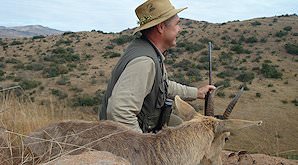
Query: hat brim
point(158, 20)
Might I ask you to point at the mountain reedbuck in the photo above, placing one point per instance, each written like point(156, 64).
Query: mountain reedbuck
point(198, 140)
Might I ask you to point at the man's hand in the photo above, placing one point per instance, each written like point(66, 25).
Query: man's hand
point(202, 91)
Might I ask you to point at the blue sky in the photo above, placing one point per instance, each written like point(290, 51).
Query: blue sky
point(117, 15)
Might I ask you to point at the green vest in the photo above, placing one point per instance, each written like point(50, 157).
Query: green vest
point(149, 115)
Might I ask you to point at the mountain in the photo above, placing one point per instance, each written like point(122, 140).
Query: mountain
point(27, 31)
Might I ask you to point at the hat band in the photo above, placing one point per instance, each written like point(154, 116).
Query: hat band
point(146, 19)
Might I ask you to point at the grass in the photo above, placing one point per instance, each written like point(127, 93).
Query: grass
point(19, 116)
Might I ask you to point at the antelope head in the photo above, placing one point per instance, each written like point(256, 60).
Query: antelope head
point(221, 128)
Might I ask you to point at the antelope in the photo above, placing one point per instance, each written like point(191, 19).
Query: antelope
point(199, 139)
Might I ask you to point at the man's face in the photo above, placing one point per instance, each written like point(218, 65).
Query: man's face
point(171, 31)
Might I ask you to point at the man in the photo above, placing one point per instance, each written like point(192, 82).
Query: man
point(139, 85)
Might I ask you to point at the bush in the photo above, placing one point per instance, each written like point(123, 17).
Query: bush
point(16, 42)
point(55, 70)
point(251, 40)
point(184, 64)
point(270, 71)
point(190, 46)
point(111, 54)
point(226, 83)
point(288, 28)
point(281, 33)
point(85, 100)
point(246, 77)
point(239, 49)
point(123, 39)
point(258, 94)
point(256, 23)
point(34, 66)
point(38, 37)
point(60, 94)
point(29, 84)
point(291, 49)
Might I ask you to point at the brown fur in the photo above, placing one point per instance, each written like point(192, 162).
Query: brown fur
point(199, 139)
point(186, 144)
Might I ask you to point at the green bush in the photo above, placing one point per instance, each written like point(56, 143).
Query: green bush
point(184, 64)
point(288, 28)
point(269, 71)
point(226, 73)
point(251, 40)
point(34, 66)
point(38, 37)
point(239, 49)
point(62, 41)
point(194, 74)
point(291, 48)
point(111, 54)
point(226, 83)
point(281, 33)
point(256, 23)
point(15, 42)
point(246, 77)
point(122, 39)
point(85, 100)
point(60, 94)
point(190, 46)
point(55, 70)
point(29, 84)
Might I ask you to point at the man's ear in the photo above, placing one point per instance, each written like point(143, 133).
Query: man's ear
point(160, 27)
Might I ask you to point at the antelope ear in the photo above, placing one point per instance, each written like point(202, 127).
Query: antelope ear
point(184, 110)
point(230, 125)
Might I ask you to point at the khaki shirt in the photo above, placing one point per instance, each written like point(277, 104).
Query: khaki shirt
point(136, 82)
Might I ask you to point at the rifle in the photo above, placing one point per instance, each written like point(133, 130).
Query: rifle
point(207, 97)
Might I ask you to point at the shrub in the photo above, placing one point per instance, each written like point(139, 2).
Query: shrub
point(295, 102)
point(85, 100)
point(111, 54)
point(226, 83)
point(185, 64)
point(62, 41)
point(194, 74)
point(281, 33)
point(251, 40)
point(256, 23)
point(190, 46)
point(15, 42)
point(288, 28)
point(60, 94)
point(12, 61)
point(269, 71)
point(258, 94)
point(55, 70)
point(122, 39)
point(246, 77)
point(29, 84)
point(63, 80)
point(226, 73)
point(38, 37)
point(2, 73)
point(291, 48)
point(34, 66)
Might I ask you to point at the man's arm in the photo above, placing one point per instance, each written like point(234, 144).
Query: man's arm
point(133, 85)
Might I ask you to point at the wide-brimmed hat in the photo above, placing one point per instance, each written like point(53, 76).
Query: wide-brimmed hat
point(153, 12)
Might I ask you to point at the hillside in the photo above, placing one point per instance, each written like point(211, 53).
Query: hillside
point(27, 31)
point(260, 54)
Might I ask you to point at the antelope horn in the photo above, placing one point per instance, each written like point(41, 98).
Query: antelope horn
point(230, 107)
point(210, 102)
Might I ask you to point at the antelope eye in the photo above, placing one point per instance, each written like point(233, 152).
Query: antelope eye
point(226, 139)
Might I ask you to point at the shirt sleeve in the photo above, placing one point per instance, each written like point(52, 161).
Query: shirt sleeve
point(185, 92)
point(128, 94)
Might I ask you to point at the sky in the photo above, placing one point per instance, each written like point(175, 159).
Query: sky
point(118, 15)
